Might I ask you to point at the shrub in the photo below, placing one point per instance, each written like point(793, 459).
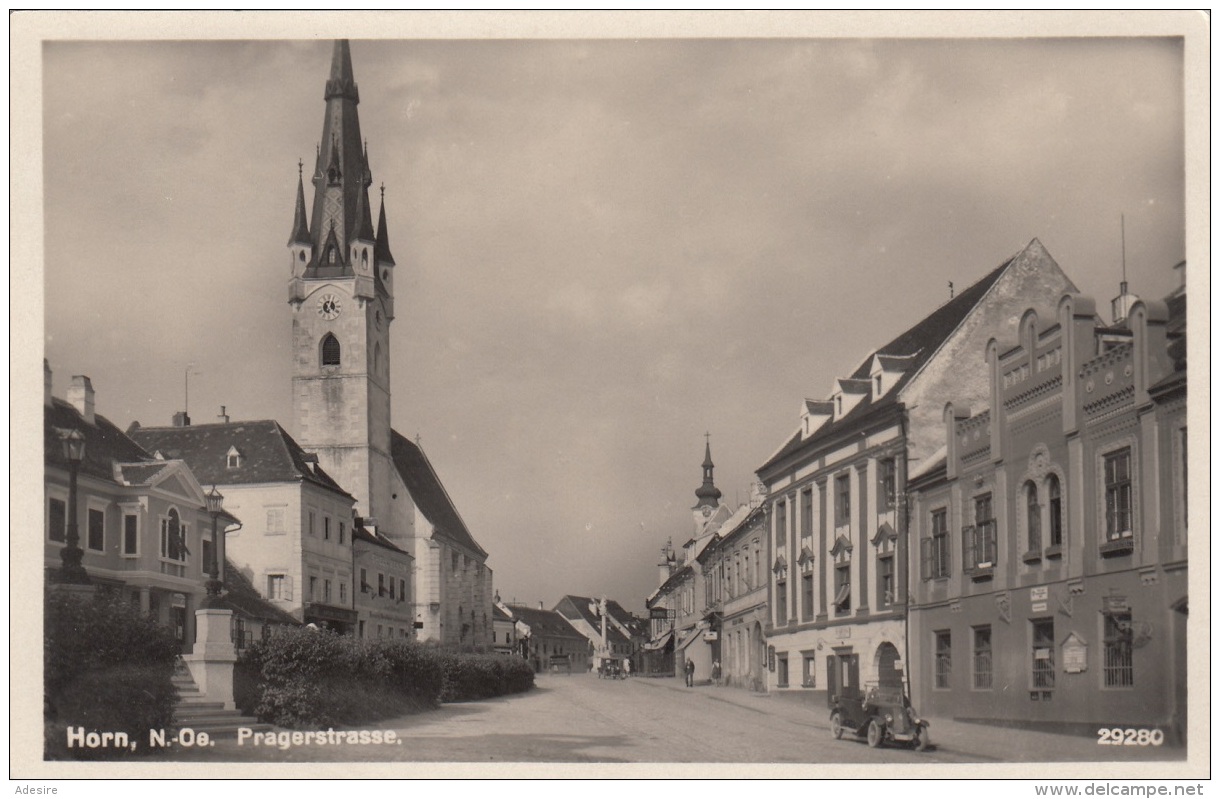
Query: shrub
point(470, 677)
point(107, 667)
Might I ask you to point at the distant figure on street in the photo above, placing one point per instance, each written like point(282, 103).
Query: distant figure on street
point(690, 673)
point(627, 668)
point(716, 671)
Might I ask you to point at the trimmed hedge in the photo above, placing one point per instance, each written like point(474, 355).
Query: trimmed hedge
point(315, 678)
point(107, 667)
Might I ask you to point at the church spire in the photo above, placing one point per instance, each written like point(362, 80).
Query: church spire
point(300, 225)
point(707, 493)
point(382, 249)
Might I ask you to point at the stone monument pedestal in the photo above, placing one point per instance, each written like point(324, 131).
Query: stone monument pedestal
point(211, 664)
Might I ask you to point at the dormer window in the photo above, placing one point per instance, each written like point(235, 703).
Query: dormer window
point(878, 386)
point(233, 459)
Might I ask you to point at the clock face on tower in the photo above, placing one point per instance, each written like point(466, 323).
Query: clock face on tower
point(328, 306)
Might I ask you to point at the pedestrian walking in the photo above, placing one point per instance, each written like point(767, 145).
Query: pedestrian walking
point(716, 672)
point(690, 673)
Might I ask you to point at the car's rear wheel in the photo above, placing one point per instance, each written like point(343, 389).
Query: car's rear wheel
point(922, 740)
point(836, 725)
point(875, 733)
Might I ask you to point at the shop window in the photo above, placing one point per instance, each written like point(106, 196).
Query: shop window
point(943, 653)
point(1118, 669)
point(809, 664)
point(1042, 640)
point(982, 658)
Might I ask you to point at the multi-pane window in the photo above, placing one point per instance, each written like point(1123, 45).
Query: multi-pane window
point(935, 554)
point(1118, 494)
point(342, 533)
point(326, 591)
point(364, 581)
point(843, 499)
point(325, 528)
point(807, 513)
point(310, 525)
point(57, 519)
point(1054, 499)
point(96, 537)
point(402, 590)
point(131, 534)
point(885, 581)
point(982, 657)
point(342, 592)
point(842, 589)
point(809, 670)
point(275, 521)
point(1118, 669)
point(313, 589)
point(745, 572)
point(781, 602)
point(1033, 518)
point(943, 654)
point(978, 540)
point(758, 564)
point(1042, 638)
point(807, 596)
point(277, 586)
point(380, 584)
point(781, 671)
point(887, 485)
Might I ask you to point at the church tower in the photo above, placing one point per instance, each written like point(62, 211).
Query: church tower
point(707, 494)
point(341, 293)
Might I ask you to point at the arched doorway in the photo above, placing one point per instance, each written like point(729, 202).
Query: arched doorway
point(885, 661)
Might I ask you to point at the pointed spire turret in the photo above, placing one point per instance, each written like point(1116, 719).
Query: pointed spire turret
point(342, 82)
point(300, 224)
point(382, 250)
point(362, 229)
point(707, 493)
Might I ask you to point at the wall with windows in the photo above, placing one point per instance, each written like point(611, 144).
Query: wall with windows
point(294, 546)
point(1047, 590)
point(383, 591)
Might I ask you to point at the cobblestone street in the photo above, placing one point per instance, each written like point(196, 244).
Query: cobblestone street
point(581, 719)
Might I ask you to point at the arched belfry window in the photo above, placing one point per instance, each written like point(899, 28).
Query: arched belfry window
point(330, 350)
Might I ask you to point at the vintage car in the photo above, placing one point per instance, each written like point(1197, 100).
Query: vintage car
point(880, 713)
point(611, 669)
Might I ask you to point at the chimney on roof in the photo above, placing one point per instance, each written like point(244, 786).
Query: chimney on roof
point(181, 419)
point(223, 417)
point(46, 383)
point(80, 394)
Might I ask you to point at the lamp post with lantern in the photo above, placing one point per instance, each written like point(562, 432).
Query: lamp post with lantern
point(71, 571)
point(215, 503)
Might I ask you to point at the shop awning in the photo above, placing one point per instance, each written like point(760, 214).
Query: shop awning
point(660, 642)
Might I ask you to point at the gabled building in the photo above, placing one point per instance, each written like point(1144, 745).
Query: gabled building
point(143, 526)
point(542, 634)
point(503, 635)
point(341, 291)
point(838, 553)
point(1052, 578)
point(592, 618)
point(384, 580)
point(295, 546)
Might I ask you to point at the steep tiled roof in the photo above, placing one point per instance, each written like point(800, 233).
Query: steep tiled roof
point(362, 534)
point(268, 453)
point(245, 600)
point(140, 474)
point(580, 604)
point(105, 444)
point(499, 615)
point(428, 493)
point(919, 342)
point(545, 622)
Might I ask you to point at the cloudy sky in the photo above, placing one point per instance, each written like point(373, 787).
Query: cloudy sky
point(605, 248)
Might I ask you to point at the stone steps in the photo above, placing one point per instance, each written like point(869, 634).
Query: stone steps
point(197, 712)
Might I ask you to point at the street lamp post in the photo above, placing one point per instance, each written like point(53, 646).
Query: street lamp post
point(71, 571)
point(215, 501)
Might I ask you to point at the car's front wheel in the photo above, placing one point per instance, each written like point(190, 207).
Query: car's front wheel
point(922, 739)
point(836, 725)
point(875, 733)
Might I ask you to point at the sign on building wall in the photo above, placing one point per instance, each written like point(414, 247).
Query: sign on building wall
point(1075, 654)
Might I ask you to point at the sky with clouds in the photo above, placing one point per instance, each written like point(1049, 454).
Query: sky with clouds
point(605, 248)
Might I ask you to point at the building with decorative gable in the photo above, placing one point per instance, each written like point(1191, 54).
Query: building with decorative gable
point(296, 544)
point(838, 552)
point(607, 636)
point(341, 290)
point(1052, 578)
